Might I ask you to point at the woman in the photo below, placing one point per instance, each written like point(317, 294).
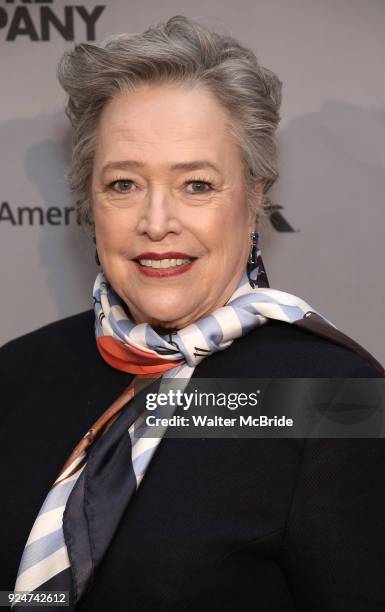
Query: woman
point(173, 156)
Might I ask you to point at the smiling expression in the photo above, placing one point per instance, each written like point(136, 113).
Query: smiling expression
point(169, 203)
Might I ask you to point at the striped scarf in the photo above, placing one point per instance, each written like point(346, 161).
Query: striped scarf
point(68, 540)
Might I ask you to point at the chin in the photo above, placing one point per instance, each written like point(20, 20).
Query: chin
point(165, 310)
point(166, 319)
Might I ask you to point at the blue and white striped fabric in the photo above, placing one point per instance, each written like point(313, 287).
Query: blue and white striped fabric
point(47, 562)
point(246, 309)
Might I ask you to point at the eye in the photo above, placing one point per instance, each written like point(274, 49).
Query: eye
point(199, 186)
point(122, 185)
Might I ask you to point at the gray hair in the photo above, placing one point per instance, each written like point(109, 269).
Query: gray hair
point(181, 51)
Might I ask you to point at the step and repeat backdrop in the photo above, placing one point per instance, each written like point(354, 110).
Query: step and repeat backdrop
point(324, 237)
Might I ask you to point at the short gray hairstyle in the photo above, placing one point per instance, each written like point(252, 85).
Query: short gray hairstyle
point(183, 51)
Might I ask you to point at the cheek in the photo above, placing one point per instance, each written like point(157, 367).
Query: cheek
point(112, 232)
point(230, 229)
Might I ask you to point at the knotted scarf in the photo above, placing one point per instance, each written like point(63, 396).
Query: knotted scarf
point(85, 504)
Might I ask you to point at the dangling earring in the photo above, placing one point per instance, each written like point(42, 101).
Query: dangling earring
point(97, 260)
point(254, 236)
point(253, 247)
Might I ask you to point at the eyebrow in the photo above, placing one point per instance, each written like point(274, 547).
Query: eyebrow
point(131, 163)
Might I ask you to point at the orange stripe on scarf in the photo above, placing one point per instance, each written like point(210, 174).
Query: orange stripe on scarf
point(131, 359)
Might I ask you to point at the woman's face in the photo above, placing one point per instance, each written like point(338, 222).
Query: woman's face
point(169, 204)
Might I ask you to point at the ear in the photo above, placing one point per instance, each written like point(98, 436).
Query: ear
point(255, 203)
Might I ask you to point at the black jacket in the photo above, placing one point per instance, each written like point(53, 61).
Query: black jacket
point(232, 525)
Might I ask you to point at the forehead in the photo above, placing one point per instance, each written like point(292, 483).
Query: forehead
point(156, 119)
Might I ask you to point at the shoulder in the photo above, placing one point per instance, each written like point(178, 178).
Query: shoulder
point(280, 349)
point(301, 352)
point(62, 344)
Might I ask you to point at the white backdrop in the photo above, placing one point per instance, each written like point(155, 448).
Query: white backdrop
point(330, 57)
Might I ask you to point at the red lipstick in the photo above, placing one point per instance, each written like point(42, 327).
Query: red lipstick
point(163, 272)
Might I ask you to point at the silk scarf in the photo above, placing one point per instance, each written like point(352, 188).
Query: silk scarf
point(82, 510)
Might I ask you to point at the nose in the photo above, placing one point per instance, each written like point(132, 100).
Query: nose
point(159, 215)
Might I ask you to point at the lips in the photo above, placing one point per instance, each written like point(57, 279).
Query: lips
point(169, 263)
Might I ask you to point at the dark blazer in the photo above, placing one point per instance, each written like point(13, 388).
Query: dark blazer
point(233, 525)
